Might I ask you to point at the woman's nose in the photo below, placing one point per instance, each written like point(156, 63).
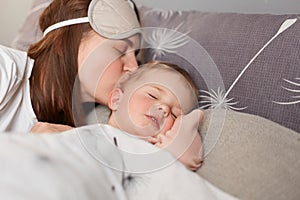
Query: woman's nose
point(130, 62)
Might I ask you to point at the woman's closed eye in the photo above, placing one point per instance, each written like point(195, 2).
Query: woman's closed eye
point(121, 51)
point(121, 48)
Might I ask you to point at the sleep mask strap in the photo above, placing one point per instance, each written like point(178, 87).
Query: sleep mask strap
point(66, 23)
point(97, 9)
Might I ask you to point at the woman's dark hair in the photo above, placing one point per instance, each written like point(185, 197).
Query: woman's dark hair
point(136, 11)
point(56, 67)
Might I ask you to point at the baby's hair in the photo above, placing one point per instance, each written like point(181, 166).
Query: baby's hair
point(136, 75)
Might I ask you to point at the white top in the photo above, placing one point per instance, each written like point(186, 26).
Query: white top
point(87, 162)
point(16, 112)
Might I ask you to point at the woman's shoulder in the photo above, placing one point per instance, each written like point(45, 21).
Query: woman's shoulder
point(15, 66)
point(14, 63)
point(10, 57)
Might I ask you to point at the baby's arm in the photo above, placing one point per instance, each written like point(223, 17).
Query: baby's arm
point(183, 141)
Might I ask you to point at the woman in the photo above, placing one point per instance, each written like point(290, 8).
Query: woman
point(55, 64)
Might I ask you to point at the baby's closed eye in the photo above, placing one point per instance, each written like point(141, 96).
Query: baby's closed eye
point(152, 95)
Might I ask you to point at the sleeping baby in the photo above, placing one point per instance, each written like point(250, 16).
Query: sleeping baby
point(147, 102)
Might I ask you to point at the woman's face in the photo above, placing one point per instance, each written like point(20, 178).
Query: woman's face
point(101, 64)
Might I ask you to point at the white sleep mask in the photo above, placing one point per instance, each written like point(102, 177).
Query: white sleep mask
point(114, 19)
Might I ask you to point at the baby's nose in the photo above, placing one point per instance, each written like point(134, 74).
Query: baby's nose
point(164, 110)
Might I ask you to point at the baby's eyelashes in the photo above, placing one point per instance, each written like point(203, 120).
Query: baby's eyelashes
point(152, 96)
point(174, 116)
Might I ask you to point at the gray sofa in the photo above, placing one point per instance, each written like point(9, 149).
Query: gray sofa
point(256, 153)
point(232, 40)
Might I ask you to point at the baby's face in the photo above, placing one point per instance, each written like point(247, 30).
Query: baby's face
point(150, 105)
point(153, 109)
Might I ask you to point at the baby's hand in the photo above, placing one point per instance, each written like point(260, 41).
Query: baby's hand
point(183, 140)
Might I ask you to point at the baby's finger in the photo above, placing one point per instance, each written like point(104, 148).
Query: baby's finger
point(151, 140)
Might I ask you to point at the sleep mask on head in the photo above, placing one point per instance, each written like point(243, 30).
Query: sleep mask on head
point(115, 19)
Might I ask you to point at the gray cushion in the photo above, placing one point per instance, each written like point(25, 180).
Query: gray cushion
point(254, 158)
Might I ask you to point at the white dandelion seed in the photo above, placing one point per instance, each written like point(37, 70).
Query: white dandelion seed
point(217, 99)
point(163, 40)
point(295, 99)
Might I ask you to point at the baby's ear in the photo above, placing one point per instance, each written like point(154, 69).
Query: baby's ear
point(115, 97)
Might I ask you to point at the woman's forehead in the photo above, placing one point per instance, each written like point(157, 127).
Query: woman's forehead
point(132, 42)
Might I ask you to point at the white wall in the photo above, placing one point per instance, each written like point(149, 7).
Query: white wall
point(12, 15)
point(13, 12)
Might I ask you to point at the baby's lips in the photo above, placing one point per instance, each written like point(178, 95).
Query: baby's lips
point(154, 121)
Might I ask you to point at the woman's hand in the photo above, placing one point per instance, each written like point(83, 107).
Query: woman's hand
point(183, 141)
point(44, 127)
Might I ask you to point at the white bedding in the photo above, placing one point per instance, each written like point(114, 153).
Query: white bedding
point(85, 163)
